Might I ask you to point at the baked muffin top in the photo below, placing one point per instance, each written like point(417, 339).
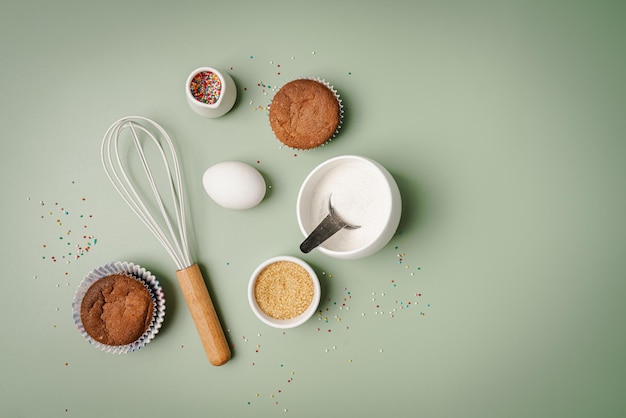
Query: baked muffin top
point(117, 309)
point(304, 114)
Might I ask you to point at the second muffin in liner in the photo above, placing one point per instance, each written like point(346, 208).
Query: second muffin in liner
point(120, 271)
point(306, 113)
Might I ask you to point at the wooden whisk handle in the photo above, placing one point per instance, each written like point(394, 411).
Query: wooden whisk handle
point(204, 315)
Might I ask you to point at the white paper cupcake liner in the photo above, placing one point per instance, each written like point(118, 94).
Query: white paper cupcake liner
point(142, 275)
point(334, 91)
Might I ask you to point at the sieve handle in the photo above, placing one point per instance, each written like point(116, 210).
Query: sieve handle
point(203, 313)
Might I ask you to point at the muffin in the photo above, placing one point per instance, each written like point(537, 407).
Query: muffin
point(305, 113)
point(117, 310)
point(119, 307)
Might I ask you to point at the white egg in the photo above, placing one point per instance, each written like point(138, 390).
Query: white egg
point(234, 185)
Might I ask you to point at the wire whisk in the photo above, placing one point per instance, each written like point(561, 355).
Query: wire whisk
point(169, 226)
point(174, 237)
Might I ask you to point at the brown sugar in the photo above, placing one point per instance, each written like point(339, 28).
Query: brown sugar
point(304, 114)
point(116, 310)
point(283, 290)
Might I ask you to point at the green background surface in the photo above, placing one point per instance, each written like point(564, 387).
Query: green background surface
point(501, 295)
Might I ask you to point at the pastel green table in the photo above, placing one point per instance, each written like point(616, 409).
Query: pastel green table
point(501, 294)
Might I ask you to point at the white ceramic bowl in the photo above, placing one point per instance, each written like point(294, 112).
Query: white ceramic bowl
point(224, 103)
point(284, 323)
point(363, 193)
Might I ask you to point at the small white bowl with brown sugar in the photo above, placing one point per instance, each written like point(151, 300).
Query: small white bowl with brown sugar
point(284, 292)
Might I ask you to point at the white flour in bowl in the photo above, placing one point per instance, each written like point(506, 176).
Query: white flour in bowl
point(360, 196)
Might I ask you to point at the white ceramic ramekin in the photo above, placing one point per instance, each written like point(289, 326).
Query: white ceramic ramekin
point(284, 323)
point(224, 103)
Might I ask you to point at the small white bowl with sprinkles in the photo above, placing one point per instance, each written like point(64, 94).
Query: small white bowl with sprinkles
point(210, 92)
point(284, 292)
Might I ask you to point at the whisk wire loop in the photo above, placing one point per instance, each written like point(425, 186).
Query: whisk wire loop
point(174, 239)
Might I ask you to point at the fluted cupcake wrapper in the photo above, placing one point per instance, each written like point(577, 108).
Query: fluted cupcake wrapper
point(142, 275)
point(341, 112)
